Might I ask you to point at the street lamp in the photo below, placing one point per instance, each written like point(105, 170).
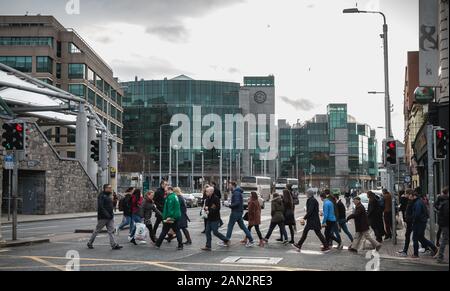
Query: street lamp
point(386, 67)
point(176, 148)
point(160, 147)
point(203, 168)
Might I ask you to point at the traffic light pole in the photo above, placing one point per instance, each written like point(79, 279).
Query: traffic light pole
point(15, 179)
point(431, 194)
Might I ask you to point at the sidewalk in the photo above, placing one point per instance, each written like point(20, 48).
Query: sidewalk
point(22, 218)
point(390, 251)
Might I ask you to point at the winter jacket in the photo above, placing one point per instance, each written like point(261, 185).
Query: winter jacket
point(342, 211)
point(289, 218)
point(105, 208)
point(183, 221)
point(328, 211)
point(148, 207)
point(135, 204)
point(443, 213)
point(361, 219)
point(237, 202)
point(375, 214)
point(277, 211)
point(439, 201)
point(409, 212)
point(172, 207)
point(159, 198)
point(125, 204)
point(312, 214)
point(254, 212)
point(419, 212)
point(213, 204)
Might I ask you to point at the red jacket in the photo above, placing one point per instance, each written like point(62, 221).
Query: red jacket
point(135, 204)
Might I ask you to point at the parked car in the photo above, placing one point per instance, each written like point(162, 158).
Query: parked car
point(199, 197)
point(191, 201)
point(246, 196)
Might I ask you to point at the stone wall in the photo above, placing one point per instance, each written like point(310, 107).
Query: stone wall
point(68, 188)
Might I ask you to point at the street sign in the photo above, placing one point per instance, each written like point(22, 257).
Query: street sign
point(407, 179)
point(8, 162)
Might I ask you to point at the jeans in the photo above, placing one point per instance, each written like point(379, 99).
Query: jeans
point(165, 230)
point(305, 235)
point(444, 242)
point(344, 227)
point(282, 227)
point(213, 226)
point(331, 229)
point(109, 227)
point(125, 221)
point(237, 217)
point(419, 236)
point(134, 219)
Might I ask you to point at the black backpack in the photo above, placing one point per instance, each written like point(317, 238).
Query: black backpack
point(125, 203)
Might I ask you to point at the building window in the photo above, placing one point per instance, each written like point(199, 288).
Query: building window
point(44, 65)
point(76, 71)
point(58, 49)
point(99, 82)
point(99, 102)
point(23, 64)
point(91, 97)
point(58, 70)
point(71, 155)
point(57, 134)
point(91, 76)
point(26, 41)
point(73, 49)
point(78, 90)
point(71, 135)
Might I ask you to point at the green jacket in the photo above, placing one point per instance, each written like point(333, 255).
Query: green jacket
point(171, 207)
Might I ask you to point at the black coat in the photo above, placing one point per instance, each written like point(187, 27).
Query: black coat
point(342, 211)
point(182, 222)
point(105, 207)
point(360, 217)
point(312, 215)
point(159, 199)
point(289, 218)
point(443, 213)
point(375, 214)
point(213, 204)
point(217, 193)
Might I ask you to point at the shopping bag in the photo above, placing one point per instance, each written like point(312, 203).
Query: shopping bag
point(141, 232)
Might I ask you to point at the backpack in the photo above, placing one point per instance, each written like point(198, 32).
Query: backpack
point(124, 203)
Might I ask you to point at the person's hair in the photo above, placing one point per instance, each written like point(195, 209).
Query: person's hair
point(327, 192)
point(234, 184)
point(149, 192)
point(357, 198)
point(137, 193)
point(445, 190)
point(309, 193)
point(129, 189)
point(409, 191)
point(209, 189)
point(254, 195)
point(170, 188)
point(401, 192)
point(213, 183)
point(274, 195)
point(177, 190)
point(371, 195)
point(323, 195)
point(162, 182)
point(106, 186)
point(289, 187)
point(287, 198)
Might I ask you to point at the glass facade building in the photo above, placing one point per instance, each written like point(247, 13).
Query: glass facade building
point(150, 104)
point(327, 147)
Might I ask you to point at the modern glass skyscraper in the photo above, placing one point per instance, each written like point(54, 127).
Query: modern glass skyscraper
point(330, 151)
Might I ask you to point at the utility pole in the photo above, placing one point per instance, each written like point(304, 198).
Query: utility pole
point(15, 178)
point(431, 192)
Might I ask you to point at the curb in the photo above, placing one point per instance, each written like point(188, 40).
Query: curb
point(19, 243)
point(56, 218)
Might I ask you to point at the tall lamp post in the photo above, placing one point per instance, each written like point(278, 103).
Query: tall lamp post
point(160, 148)
point(387, 101)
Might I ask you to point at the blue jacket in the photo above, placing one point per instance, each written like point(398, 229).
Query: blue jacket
point(328, 211)
point(237, 202)
point(419, 212)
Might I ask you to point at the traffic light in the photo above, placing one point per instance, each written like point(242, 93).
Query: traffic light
point(440, 143)
point(391, 152)
point(13, 137)
point(95, 150)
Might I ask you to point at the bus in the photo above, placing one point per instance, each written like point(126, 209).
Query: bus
point(261, 185)
point(281, 184)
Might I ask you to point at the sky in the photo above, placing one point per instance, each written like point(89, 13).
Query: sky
point(317, 54)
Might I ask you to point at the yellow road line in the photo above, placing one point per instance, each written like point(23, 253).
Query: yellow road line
point(42, 261)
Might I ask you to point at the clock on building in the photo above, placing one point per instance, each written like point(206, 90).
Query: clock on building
point(260, 97)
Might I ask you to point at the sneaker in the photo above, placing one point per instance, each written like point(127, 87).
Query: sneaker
point(324, 249)
point(286, 242)
point(117, 247)
point(188, 243)
point(352, 250)
point(279, 239)
point(292, 242)
point(223, 244)
point(297, 247)
point(422, 250)
point(206, 249)
point(180, 247)
point(250, 244)
point(90, 246)
point(402, 254)
point(133, 241)
point(340, 246)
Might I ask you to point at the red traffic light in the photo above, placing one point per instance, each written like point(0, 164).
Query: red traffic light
point(391, 145)
point(439, 134)
point(19, 127)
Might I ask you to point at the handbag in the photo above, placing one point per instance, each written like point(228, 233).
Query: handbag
point(245, 216)
point(203, 212)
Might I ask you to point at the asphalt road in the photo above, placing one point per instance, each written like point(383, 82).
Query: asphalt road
point(274, 256)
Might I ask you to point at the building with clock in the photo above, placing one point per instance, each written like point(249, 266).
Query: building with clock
point(149, 106)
